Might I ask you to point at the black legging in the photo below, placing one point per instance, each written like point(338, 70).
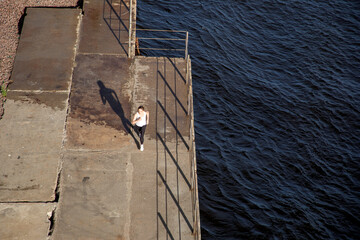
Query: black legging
point(141, 132)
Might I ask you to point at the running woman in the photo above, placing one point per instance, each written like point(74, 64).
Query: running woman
point(141, 119)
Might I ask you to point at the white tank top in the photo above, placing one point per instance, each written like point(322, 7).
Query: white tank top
point(142, 121)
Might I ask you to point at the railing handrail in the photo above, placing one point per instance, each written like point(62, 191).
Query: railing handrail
point(159, 30)
point(164, 39)
point(163, 49)
point(185, 39)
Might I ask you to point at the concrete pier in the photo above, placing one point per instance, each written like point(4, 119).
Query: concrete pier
point(72, 168)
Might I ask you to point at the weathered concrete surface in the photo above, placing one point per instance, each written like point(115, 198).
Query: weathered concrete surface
point(108, 188)
point(103, 30)
point(125, 193)
point(93, 203)
point(44, 58)
point(100, 102)
point(33, 135)
point(32, 128)
point(56, 100)
point(25, 221)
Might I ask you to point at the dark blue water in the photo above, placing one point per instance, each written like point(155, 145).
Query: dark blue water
point(277, 110)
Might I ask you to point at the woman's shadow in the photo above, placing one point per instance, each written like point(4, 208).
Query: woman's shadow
point(110, 96)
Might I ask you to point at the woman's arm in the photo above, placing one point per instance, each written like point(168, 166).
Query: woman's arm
point(134, 119)
point(147, 119)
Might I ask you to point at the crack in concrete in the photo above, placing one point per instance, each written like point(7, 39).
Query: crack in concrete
point(76, 48)
point(52, 214)
point(51, 218)
point(57, 188)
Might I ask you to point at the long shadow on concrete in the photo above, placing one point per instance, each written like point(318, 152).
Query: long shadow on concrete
point(109, 95)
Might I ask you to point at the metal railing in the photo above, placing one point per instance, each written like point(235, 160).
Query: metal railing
point(169, 38)
point(130, 29)
point(192, 155)
point(122, 12)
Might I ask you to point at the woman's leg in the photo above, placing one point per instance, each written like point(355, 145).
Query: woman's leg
point(141, 134)
point(136, 128)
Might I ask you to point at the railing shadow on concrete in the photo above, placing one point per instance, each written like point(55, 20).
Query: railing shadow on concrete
point(165, 226)
point(173, 93)
point(177, 69)
point(109, 95)
point(174, 160)
point(110, 15)
point(168, 189)
point(173, 124)
point(166, 117)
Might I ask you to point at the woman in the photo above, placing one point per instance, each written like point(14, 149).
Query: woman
point(141, 119)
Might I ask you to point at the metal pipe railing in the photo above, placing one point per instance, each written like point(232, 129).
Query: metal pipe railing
point(160, 30)
point(186, 46)
point(185, 39)
point(192, 155)
point(164, 49)
point(130, 30)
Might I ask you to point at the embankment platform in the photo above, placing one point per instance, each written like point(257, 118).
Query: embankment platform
point(70, 162)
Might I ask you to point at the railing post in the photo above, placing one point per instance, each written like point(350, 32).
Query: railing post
point(187, 71)
point(189, 83)
point(186, 57)
point(186, 45)
point(130, 30)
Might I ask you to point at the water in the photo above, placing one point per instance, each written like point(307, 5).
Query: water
point(277, 110)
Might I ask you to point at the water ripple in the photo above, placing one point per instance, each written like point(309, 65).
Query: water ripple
point(277, 109)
